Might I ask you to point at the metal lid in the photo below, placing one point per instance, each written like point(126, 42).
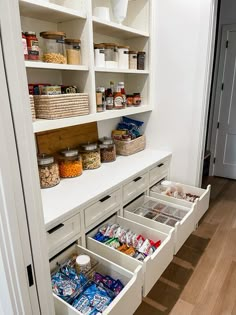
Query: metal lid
point(106, 140)
point(89, 146)
point(72, 41)
point(69, 152)
point(99, 46)
point(110, 45)
point(141, 52)
point(131, 52)
point(44, 159)
point(30, 33)
point(52, 35)
point(100, 89)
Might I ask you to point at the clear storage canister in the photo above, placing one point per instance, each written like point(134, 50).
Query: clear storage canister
point(90, 156)
point(141, 60)
point(123, 57)
point(73, 53)
point(133, 55)
point(70, 163)
point(107, 150)
point(99, 55)
point(54, 47)
point(48, 171)
point(111, 55)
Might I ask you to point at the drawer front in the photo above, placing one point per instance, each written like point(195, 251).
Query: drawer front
point(135, 187)
point(158, 172)
point(153, 266)
point(102, 207)
point(128, 299)
point(63, 234)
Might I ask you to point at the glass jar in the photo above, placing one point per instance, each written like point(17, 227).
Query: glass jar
point(133, 55)
point(48, 171)
point(54, 47)
point(32, 45)
point(70, 164)
point(111, 55)
point(123, 57)
point(90, 156)
point(141, 60)
point(129, 100)
point(99, 55)
point(136, 99)
point(73, 53)
point(107, 150)
point(100, 99)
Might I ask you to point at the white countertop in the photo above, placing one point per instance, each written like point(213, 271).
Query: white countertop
point(64, 199)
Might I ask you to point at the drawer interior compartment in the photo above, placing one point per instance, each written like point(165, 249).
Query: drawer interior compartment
point(183, 195)
point(63, 234)
point(135, 187)
point(124, 301)
point(159, 172)
point(166, 217)
point(152, 266)
point(102, 208)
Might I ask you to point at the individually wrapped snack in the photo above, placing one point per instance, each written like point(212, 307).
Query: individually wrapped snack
point(111, 230)
point(128, 238)
point(100, 237)
point(140, 240)
point(145, 247)
point(139, 256)
point(122, 237)
point(117, 287)
point(71, 273)
point(98, 297)
point(114, 285)
point(62, 286)
point(113, 242)
point(122, 248)
point(130, 251)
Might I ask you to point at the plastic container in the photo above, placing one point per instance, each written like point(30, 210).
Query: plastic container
point(99, 55)
point(141, 60)
point(107, 150)
point(48, 171)
point(133, 55)
point(90, 156)
point(54, 50)
point(70, 164)
point(32, 45)
point(141, 211)
point(150, 215)
point(73, 53)
point(83, 263)
point(123, 57)
point(111, 55)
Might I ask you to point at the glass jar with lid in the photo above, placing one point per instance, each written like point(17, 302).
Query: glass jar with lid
point(48, 171)
point(70, 164)
point(73, 53)
point(54, 47)
point(107, 150)
point(141, 60)
point(90, 156)
point(133, 55)
point(99, 55)
point(111, 55)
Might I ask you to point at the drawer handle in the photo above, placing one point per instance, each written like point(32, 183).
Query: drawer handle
point(160, 165)
point(59, 226)
point(137, 179)
point(105, 198)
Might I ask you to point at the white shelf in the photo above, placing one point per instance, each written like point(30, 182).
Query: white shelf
point(43, 10)
point(43, 124)
point(54, 66)
point(97, 69)
point(116, 30)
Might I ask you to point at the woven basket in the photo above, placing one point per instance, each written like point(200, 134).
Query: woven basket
point(130, 147)
point(61, 106)
point(31, 98)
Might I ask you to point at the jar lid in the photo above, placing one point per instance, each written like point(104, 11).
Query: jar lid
point(141, 52)
point(133, 52)
point(30, 33)
point(123, 46)
point(89, 146)
point(52, 35)
point(69, 152)
point(83, 260)
point(45, 159)
point(106, 140)
point(110, 45)
point(72, 41)
point(99, 45)
point(100, 89)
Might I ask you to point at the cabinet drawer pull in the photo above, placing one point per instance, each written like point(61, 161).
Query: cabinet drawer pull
point(160, 165)
point(59, 226)
point(137, 179)
point(105, 198)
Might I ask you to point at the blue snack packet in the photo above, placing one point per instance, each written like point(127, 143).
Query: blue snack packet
point(78, 279)
point(62, 286)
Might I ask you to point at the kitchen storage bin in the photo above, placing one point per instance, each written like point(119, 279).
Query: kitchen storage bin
point(107, 150)
point(61, 106)
point(111, 55)
point(54, 47)
point(131, 146)
point(31, 98)
point(48, 171)
point(73, 53)
point(133, 57)
point(99, 55)
point(70, 164)
point(90, 156)
point(123, 57)
point(141, 60)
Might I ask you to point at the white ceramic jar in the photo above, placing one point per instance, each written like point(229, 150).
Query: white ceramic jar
point(123, 57)
point(99, 55)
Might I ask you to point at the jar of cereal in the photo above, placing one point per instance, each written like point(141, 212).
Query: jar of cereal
point(70, 164)
point(90, 156)
point(48, 171)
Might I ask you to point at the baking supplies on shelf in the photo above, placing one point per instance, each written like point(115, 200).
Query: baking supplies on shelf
point(54, 47)
point(48, 171)
point(73, 53)
point(70, 164)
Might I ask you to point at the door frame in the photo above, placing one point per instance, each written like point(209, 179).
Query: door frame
point(218, 92)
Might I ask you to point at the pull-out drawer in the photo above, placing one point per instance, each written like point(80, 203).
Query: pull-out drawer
point(63, 234)
point(135, 187)
point(126, 302)
point(103, 208)
point(158, 172)
point(201, 203)
point(163, 216)
point(153, 266)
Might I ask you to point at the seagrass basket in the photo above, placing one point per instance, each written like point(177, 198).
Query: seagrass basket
point(31, 98)
point(130, 147)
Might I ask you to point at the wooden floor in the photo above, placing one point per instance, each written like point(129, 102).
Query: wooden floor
point(211, 289)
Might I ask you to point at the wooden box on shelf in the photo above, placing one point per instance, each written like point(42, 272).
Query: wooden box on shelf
point(61, 106)
point(131, 146)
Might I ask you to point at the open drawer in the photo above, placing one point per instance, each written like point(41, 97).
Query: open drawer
point(153, 266)
point(202, 202)
point(126, 302)
point(163, 216)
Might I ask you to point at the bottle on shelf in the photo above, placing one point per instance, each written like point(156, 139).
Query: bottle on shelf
point(122, 90)
point(109, 96)
point(118, 99)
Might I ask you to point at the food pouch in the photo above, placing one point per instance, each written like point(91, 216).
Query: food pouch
point(62, 286)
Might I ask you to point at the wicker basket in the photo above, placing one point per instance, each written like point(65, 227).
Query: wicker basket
point(130, 147)
point(31, 98)
point(61, 106)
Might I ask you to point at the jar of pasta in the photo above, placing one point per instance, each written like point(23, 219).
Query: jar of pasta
point(107, 150)
point(54, 47)
point(48, 171)
point(90, 156)
point(73, 51)
point(70, 164)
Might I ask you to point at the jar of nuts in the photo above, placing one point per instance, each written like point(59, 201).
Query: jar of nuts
point(107, 150)
point(70, 164)
point(54, 47)
point(48, 171)
point(90, 156)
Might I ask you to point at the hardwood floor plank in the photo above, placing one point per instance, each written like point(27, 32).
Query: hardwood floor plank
point(182, 308)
